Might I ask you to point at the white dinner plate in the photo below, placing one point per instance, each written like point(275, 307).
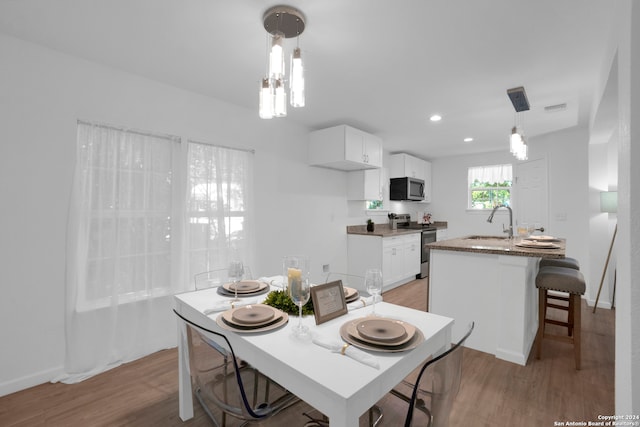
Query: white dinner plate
point(537, 245)
point(350, 293)
point(280, 318)
point(253, 314)
point(381, 330)
point(349, 334)
point(245, 286)
point(544, 238)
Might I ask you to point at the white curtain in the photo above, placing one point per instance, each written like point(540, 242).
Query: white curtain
point(491, 174)
point(219, 211)
point(130, 244)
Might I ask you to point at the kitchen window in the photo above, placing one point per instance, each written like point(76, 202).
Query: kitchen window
point(489, 186)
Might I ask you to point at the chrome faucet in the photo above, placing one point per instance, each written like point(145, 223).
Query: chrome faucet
point(504, 230)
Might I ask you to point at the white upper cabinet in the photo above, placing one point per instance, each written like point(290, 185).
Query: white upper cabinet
point(365, 185)
point(404, 165)
point(427, 181)
point(345, 148)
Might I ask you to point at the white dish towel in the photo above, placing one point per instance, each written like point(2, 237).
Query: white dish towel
point(276, 281)
point(362, 302)
point(229, 304)
point(339, 346)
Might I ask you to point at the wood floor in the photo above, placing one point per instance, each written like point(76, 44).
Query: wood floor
point(493, 392)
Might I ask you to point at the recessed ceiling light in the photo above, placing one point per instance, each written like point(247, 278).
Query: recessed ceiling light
point(468, 139)
point(435, 118)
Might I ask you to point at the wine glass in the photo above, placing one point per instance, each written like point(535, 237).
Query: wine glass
point(235, 272)
point(373, 284)
point(297, 274)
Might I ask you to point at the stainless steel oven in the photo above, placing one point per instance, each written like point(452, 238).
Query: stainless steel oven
point(428, 236)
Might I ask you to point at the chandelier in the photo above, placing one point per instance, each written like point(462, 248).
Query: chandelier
point(518, 143)
point(282, 22)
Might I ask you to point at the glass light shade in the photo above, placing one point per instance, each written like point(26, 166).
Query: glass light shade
point(609, 201)
point(296, 82)
point(522, 153)
point(276, 58)
point(266, 100)
point(516, 141)
point(280, 103)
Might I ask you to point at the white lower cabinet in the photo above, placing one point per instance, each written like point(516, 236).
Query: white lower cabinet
point(397, 256)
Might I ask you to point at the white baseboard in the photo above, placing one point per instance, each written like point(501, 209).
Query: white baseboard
point(601, 304)
point(28, 381)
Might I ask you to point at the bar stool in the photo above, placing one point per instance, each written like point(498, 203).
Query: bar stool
point(556, 297)
point(560, 262)
point(563, 279)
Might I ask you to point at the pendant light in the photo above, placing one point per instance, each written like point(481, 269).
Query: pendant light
point(282, 22)
point(296, 81)
point(517, 140)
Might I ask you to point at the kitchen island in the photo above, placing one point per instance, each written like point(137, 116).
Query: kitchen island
point(489, 280)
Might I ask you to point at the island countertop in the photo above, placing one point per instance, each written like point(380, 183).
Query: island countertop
point(498, 245)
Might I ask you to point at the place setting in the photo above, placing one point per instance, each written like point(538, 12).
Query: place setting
point(378, 333)
point(381, 334)
point(238, 287)
point(350, 294)
point(541, 238)
point(538, 243)
point(252, 318)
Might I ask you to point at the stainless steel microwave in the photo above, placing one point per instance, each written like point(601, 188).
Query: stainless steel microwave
point(406, 189)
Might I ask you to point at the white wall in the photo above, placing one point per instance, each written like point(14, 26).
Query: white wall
point(299, 209)
point(627, 376)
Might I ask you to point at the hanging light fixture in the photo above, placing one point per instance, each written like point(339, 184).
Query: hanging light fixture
point(518, 143)
point(282, 22)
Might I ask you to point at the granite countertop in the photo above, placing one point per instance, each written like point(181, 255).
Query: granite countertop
point(499, 246)
point(384, 230)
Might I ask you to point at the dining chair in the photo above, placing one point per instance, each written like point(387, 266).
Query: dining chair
point(431, 396)
point(350, 280)
point(227, 387)
point(215, 278)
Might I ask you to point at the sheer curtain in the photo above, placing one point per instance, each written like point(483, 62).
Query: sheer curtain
point(491, 174)
point(219, 210)
point(132, 240)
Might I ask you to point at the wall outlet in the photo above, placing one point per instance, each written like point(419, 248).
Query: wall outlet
point(325, 268)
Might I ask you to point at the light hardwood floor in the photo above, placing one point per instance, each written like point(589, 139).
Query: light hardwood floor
point(493, 392)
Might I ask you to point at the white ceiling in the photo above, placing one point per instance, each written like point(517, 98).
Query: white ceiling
point(383, 66)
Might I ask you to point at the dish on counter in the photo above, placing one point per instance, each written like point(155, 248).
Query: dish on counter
point(537, 245)
point(544, 238)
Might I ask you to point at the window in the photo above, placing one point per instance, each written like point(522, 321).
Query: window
point(374, 205)
point(489, 186)
point(219, 200)
point(130, 211)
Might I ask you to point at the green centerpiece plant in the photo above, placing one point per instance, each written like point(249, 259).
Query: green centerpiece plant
point(282, 301)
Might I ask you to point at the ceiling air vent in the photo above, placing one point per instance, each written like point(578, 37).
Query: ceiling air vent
point(555, 108)
point(518, 98)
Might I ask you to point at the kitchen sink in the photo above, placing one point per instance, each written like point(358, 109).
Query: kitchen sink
point(487, 238)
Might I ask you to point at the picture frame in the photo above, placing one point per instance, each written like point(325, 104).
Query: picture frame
point(328, 301)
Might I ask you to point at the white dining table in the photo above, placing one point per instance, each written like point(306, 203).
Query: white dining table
point(340, 387)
